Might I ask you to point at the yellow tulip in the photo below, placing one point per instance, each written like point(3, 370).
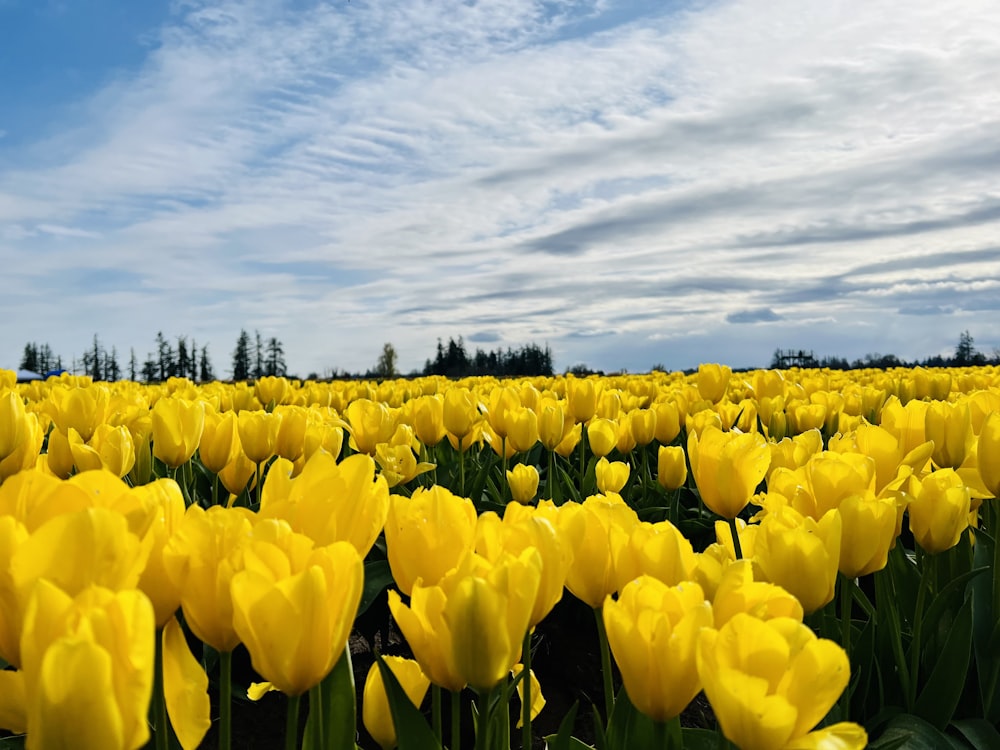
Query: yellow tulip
point(82, 408)
point(12, 536)
point(59, 455)
point(201, 558)
point(12, 419)
point(168, 505)
point(567, 446)
point(271, 389)
point(522, 429)
point(537, 699)
point(553, 423)
point(371, 423)
point(220, 440)
point(88, 667)
point(771, 681)
point(659, 550)
point(488, 610)
point(429, 636)
point(290, 440)
point(523, 482)
point(459, 412)
point(427, 535)
point(939, 509)
point(869, 530)
point(713, 380)
point(596, 531)
point(177, 428)
point(653, 630)
point(582, 395)
point(110, 448)
point(294, 605)
point(989, 453)
point(727, 468)
point(668, 421)
point(428, 419)
point(800, 554)
point(258, 431)
point(602, 436)
point(738, 592)
point(949, 426)
point(523, 527)
point(611, 476)
point(671, 467)
point(643, 424)
point(375, 711)
point(185, 688)
point(503, 402)
point(235, 475)
point(25, 454)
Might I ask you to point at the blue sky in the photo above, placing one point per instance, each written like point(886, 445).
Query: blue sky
point(632, 183)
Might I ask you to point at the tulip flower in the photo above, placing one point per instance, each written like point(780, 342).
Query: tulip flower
point(167, 502)
point(272, 390)
point(668, 422)
point(671, 467)
point(800, 554)
point(939, 509)
point(596, 531)
point(771, 681)
point(12, 419)
point(25, 453)
point(553, 423)
point(653, 629)
point(581, 397)
point(727, 468)
point(869, 530)
point(83, 688)
point(949, 426)
point(289, 442)
point(602, 436)
point(713, 380)
point(294, 604)
point(177, 428)
point(428, 419)
point(523, 482)
point(659, 550)
point(427, 535)
point(375, 711)
point(220, 440)
point(643, 426)
point(258, 431)
point(371, 423)
point(330, 502)
point(81, 408)
point(459, 412)
point(522, 429)
point(989, 453)
point(738, 592)
point(201, 558)
point(611, 476)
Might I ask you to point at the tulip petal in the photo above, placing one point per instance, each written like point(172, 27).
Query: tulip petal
point(185, 687)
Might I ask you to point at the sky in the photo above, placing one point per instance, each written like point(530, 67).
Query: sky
point(633, 184)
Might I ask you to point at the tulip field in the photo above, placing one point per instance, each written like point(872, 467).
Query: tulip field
point(766, 560)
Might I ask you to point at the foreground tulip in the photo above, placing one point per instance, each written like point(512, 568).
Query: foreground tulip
point(671, 467)
point(939, 509)
point(428, 534)
point(12, 418)
point(88, 668)
point(596, 531)
point(800, 554)
point(294, 604)
point(177, 428)
point(653, 630)
point(989, 453)
point(713, 380)
point(727, 467)
point(611, 476)
point(375, 711)
point(523, 483)
point(770, 682)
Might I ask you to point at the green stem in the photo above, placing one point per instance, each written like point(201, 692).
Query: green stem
point(215, 489)
point(315, 701)
point(225, 700)
point(845, 639)
point(503, 472)
point(436, 710)
point(292, 722)
point(736, 539)
point(583, 455)
point(258, 488)
point(456, 719)
point(159, 699)
point(609, 693)
point(461, 468)
point(526, 692)
point(485, 719)
point(550, 484)
point(918, 626)
point(885, 598)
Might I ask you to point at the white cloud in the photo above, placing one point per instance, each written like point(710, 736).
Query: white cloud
point(340, 175)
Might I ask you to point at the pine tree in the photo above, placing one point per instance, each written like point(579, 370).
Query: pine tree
point(241, 357)
point(258, 355)
point(205, 367)
point(275, 362)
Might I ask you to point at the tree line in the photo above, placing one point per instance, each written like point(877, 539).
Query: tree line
point(180, 357)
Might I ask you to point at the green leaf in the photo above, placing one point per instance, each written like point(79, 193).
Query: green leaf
point(979, 732)
point(378, 577)
point(332, 720)
point(910, 732)
point(412, 730)
point(984, 624)
point(564, 740)
point(600, 735)
point(943, 690)
point(630, 729)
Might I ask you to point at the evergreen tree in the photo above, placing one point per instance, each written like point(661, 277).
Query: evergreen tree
point(165, 363)
point(385, 368)
point(192, 372)
point(205, 367)
point(133, 364)
point(275, 359)
point(241, 357)
point(183, 365)
point(258, 355)
point(112, 371)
